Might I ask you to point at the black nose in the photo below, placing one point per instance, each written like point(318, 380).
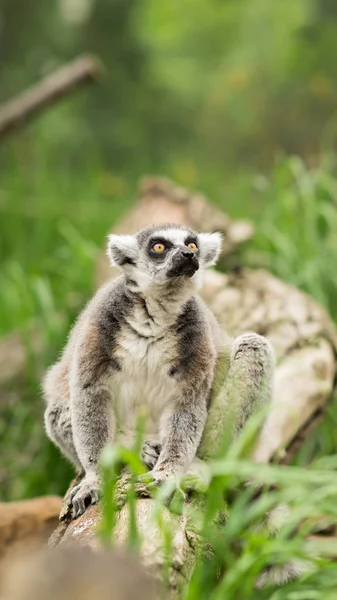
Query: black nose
point(187, 253)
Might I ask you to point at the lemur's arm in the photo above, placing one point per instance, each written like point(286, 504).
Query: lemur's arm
point(93, 419)
point(193, 375)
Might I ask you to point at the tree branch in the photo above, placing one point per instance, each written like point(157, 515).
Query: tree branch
point(15, 113)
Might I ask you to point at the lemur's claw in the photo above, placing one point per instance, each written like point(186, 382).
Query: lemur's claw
point(150, 453)
point(162, 474)
point(82, 496)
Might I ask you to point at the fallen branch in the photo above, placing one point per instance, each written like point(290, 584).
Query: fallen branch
point(17, 112)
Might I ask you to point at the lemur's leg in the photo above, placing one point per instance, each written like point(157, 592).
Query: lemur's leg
point(91, 382)
point(58, 426)
point(182, 423)
point(181, 432)
point(57, 415)
point(246, 388)
point(150, 453)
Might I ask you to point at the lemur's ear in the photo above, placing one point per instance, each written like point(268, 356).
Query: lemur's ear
point(210, 247)
point(122, 250)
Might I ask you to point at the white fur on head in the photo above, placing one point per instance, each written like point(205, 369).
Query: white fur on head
point(210, 247)
point(122, 250)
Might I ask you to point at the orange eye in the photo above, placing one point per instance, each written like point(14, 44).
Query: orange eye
point(159, 248)
point(192, 246)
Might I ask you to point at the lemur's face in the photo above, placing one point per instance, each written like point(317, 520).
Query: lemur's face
point(164, 253)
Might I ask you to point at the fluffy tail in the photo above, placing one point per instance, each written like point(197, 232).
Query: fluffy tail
point(280, 574)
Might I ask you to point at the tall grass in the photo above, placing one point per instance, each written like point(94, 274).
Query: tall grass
point(296, 232)
point(234, 545)
point(296, 239)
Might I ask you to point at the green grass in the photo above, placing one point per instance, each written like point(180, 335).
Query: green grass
point(296, 233)
point(234, 545)
point(52, 226)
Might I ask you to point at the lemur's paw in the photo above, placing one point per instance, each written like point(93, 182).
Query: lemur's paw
point(84, 494)
point(150, 453)
point(163, 472)
point(170, 475)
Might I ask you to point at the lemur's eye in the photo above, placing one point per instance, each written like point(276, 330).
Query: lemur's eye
point(192, 246)
point(159, 248)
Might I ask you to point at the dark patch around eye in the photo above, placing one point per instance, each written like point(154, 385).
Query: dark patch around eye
point(191, 240)
point(158, 240)
point(168, 245)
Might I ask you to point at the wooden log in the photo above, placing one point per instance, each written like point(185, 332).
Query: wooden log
point(152, 550)
point(305, 342)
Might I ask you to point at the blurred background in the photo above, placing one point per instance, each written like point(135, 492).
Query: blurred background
point(237, 98)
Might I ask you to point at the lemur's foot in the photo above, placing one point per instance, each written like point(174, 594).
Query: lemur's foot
point(84, 494)
point(66, 510)
point(164, 471)
point(150, 453)
point(168, 473)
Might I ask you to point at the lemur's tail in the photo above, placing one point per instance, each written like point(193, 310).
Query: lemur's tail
point(281, 574)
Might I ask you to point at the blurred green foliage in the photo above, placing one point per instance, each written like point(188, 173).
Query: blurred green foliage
point(220, 82)
point(234, 98)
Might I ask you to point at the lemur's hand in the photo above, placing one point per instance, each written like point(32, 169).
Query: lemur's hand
point(164, 471)
point(84, 494)
point(150, 453)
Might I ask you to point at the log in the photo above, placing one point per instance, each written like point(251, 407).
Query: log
point(305, 342)
point(82, 533)
point(15, 113)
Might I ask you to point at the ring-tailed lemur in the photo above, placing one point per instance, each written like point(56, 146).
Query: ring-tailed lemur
point(147, 342)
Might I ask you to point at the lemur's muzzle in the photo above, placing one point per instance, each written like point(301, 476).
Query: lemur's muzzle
point(185, 262)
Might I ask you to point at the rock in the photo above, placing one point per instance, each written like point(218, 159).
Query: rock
point(27, 523)
point(76, 574)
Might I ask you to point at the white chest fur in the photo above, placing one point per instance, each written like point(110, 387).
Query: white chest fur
point(144, 387)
